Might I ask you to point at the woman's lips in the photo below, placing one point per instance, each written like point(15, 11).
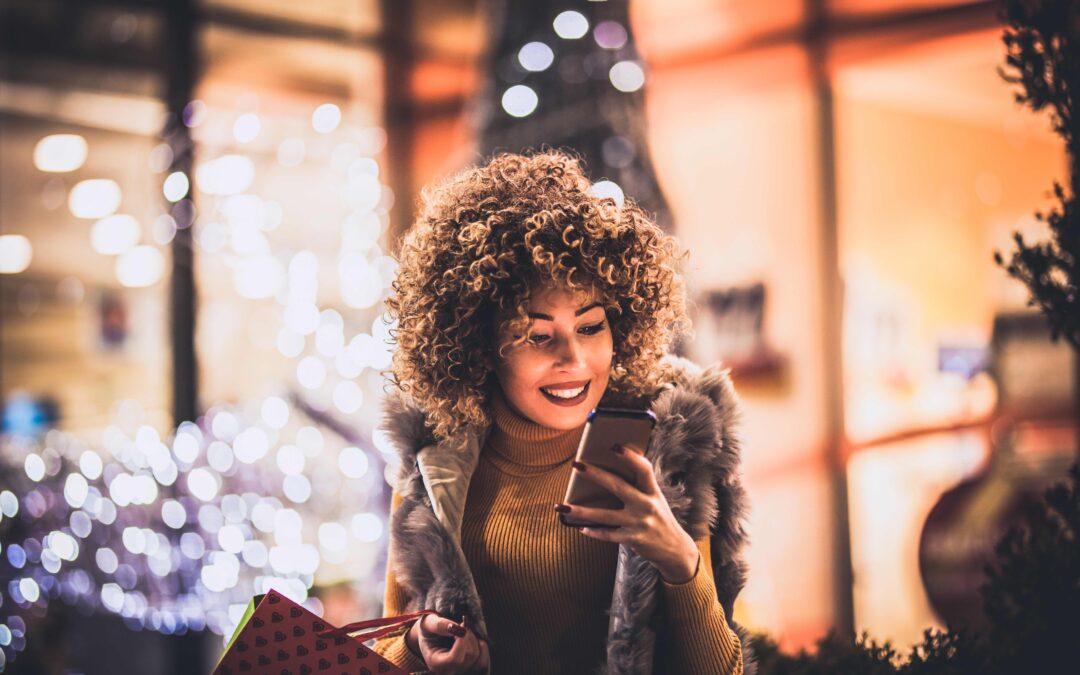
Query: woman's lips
point(568, 402)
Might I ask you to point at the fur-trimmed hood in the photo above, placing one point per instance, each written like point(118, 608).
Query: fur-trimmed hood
point(695, 455)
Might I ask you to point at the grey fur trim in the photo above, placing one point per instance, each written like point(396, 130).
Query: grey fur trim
point(695, 456)
point(404, 422)
point(428, 562)
point(631, 639)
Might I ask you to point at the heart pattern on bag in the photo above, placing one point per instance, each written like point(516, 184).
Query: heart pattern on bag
point(282, 638)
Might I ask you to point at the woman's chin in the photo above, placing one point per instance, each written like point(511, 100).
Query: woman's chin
point(557, 417)
point(565, 422)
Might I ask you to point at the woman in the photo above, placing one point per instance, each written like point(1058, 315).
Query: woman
point(522, 303)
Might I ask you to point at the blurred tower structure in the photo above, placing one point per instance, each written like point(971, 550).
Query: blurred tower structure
point(571, 79)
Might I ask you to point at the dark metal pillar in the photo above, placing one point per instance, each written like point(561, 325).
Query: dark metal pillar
point(832, 302)
point(188, 653)
point(180, 73)
point(399, 115)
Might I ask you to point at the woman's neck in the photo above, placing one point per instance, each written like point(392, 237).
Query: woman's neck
point(522, 441)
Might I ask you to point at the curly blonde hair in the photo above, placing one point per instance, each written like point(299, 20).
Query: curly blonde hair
point(484, 240)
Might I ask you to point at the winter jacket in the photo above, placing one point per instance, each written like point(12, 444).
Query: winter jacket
point(694, 451)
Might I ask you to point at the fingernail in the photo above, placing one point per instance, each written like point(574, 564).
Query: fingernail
point(618, 449)
point(562, 508)
point(578, 465)
point(457, 630)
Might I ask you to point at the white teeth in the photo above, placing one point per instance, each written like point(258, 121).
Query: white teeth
point(564, 393)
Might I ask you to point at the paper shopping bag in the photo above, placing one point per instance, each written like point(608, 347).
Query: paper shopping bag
point(276, 636)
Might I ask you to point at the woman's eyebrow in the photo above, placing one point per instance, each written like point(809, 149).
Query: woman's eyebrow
point(548, 317)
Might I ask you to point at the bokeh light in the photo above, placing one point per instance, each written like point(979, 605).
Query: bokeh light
point(627, 76)
point(176, 186)
point(139, 267)
point(367, 527)
point(94, 198)
point(15, 253)
point(326, 118)
point(226, 175)
point(610, 35)
point(520, 100)
point(115, 234)
point(606, 189)
point(60, 153)
point(536, 57)
point(246, 127)
point(571, 25)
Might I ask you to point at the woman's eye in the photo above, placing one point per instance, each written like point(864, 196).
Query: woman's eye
point(593, 329)
point(537, 338)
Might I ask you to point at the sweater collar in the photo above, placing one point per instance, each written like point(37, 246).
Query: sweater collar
point(521, 441)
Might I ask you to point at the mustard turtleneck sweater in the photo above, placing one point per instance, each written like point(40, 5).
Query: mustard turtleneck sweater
point(544, 587)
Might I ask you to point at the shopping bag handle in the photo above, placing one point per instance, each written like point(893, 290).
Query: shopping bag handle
point(383, 625)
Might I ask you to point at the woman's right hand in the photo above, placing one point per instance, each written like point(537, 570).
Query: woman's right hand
point(448, 648)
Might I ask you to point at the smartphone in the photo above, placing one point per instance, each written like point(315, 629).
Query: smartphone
point(606, 427)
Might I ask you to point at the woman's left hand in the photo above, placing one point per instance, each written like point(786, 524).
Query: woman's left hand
point(645, 524)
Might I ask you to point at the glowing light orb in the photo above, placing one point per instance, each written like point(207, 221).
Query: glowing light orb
point(94, 198)
point(520, 100)
point(571, 25)
point(15, 253)
point(536, 57)
point(627, 76)
point(60, 153)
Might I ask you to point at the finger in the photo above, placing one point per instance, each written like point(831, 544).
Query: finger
point(611, 482)
point(644, 476)
point(436, 625)
point(589, 514)
point(613, 536)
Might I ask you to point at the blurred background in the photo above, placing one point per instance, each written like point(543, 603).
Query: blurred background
point(199, 202)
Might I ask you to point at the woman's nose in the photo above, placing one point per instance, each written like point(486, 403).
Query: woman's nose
point(571, 353)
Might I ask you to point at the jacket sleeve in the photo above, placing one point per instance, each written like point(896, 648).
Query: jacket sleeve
point(699, 639)
point(393, 647)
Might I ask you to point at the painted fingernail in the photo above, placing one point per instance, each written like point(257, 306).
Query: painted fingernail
point(618, 449)
point(562, 508)
point(457, 630)
point(578, 465)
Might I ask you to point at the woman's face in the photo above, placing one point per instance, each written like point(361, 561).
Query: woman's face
point(557, 376)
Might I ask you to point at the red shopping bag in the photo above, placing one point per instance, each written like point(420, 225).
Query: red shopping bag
point(276, 636)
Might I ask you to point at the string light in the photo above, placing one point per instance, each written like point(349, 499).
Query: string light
point(111, 524)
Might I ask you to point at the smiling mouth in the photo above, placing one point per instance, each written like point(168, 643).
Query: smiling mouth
point(566, 396)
